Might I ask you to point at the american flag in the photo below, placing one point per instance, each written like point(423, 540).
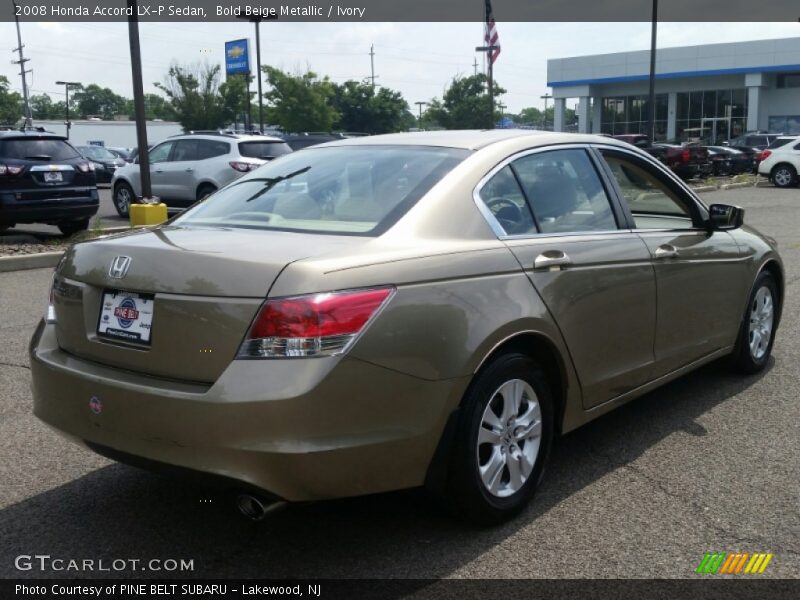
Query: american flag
point(490, 33)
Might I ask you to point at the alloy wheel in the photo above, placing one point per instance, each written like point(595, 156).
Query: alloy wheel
point(509, 438)
point(783, 177)
point(123, 199)
point(762, 314)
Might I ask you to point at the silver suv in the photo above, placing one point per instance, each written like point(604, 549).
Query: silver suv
point(186, 168)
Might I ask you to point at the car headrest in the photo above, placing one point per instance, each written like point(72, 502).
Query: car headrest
point(553, 193)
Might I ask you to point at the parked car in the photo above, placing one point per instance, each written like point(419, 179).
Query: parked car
point(686, 160)
point(759, 140)
point(105, 162)
point(43, 179)
point(730, 161)
point(187, 168)
point(411, 309)
point(782, 162)
point(123, 153)
point(298, 141)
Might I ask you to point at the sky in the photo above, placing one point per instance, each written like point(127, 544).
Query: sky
point(418, 59)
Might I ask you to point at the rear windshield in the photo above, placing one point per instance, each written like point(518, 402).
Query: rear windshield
point(353, 190)
point(37, 149)
point(96, 152)
point(263, 150)
point(778, 142)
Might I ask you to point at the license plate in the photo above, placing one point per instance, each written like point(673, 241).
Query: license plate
point(53, 177)
point(126, 316)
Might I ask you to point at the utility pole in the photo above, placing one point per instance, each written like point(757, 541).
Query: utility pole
point(475, 65)
point(22, 72)
point(66, 85)
point(651, 114)
point(546, 97)
point(489, 50)
point(138, 102)
point(420, 104)
point(372, 64)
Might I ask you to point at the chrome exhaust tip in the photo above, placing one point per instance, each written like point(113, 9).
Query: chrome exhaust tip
point(256, 508)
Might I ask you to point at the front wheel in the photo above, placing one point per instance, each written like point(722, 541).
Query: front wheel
point(123, 197)
point(502, 442)
point(757, 331)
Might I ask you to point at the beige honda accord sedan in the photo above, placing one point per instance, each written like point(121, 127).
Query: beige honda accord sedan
point(395, 311)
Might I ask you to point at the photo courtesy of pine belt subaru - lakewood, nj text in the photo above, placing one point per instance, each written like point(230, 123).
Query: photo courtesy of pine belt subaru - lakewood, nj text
point(413, 309)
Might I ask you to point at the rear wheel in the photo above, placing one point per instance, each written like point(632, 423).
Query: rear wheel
point(757, 332)
point(502, 441)
point(123, 197)
point(205, 191)
point(72, 227)
point(784, 176)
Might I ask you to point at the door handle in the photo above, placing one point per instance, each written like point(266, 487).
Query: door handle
point(190, 170)
point(159, 171)
point(552, 260)
point(666, 251)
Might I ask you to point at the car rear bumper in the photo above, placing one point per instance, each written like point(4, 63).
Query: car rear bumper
point(336, 427)
point(48, 211)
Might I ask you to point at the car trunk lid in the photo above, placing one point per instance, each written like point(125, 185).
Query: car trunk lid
point(205, 286)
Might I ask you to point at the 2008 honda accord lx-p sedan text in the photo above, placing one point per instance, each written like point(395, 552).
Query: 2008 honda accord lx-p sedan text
point(386, 312)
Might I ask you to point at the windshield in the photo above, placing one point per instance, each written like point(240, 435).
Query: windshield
point(355, 190)
point(37, 149)
point(96, 152)
point(265, 150)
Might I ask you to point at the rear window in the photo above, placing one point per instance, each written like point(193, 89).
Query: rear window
point(778, 142)
point(37, 149)
point(263, 150)
point(351, 190)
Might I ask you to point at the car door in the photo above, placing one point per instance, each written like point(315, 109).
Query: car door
point(700, 274)
point(159, 157)
point(178, 173)
point(553, 210)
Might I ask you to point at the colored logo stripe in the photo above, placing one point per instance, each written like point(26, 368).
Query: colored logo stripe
point(734, 562)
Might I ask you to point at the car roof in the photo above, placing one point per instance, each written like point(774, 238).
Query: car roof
point(473, 139)
point(20, 134)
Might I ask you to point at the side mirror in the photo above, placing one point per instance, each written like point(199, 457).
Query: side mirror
point(725, 216)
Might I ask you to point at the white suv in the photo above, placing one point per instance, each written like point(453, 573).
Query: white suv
point(781, 161)
point(186, 168)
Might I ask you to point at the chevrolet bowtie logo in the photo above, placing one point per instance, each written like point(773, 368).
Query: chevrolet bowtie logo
point(235, 52)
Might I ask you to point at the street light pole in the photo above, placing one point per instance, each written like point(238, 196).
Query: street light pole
point(420, 104)
point(256, 19)
point(489, 50)
point(546, 97)
point(651, 114)
point(66, 85)
point(138, 101)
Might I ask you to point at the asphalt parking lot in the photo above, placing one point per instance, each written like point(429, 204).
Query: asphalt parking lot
point(708, 463)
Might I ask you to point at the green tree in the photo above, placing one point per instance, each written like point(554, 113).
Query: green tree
point(364, 109)
point(299, 102)
point(42, 107)
point(10, 103)
point(194, 95)
point(465, 104)
point(94, 100)
point(233, 94)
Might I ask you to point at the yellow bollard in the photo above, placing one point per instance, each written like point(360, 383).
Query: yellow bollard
point(147, 214)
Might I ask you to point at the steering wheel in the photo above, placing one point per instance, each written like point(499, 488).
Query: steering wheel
point(507, 213)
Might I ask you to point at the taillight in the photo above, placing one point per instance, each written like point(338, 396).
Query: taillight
point(243, 167)
point(313, 325)
point(764, 154)
point(50, 314)
point(685, 156)
point(10, 170)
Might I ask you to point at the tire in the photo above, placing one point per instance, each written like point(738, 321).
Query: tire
point(751, 354)
point(784, 176)
point(69, 228)
point(205, 190)
point(481, 486)
point(122, 198)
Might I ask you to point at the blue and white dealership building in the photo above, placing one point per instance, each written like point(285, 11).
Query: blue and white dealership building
point(714, 91)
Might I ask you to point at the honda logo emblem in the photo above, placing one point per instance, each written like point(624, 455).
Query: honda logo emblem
point(119, 267)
